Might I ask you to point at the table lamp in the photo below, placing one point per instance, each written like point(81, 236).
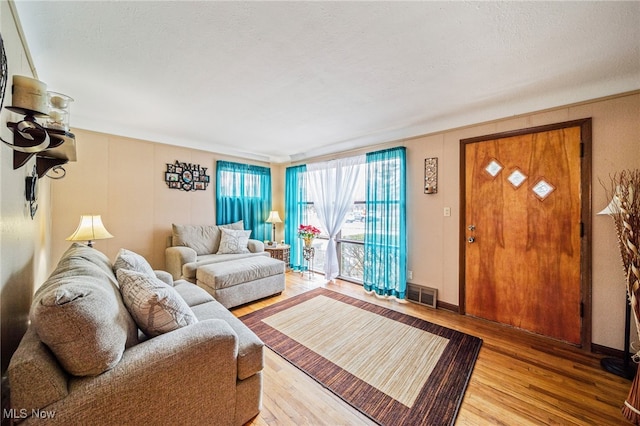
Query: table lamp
point(89, 229)
point(274, 217)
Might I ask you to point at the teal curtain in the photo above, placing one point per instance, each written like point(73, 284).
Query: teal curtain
point(243, 191)
point(385, 241)
point(295, 209)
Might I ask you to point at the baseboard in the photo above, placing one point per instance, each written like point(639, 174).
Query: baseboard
point(607, 351)
point(595, 348)
point(448, 307)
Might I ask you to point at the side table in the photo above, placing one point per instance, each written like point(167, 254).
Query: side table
point(280, 251)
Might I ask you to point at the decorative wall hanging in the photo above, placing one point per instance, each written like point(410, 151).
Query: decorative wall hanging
point(3, 72)
point(431, 175)
point(187, 177)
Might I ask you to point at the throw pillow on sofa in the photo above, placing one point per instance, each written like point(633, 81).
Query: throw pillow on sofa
point(156, 307)
point(234, 241)
point(126, 259)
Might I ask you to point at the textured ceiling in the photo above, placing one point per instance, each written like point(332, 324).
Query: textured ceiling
point(285, 81)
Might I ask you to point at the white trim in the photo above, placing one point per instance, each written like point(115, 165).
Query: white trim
point(23, 39)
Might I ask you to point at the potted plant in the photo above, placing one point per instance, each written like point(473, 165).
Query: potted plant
point(308, 233)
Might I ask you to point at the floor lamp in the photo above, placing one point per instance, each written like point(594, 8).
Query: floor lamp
point(620, 367)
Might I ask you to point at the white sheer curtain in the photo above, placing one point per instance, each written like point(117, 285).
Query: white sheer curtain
point(332, 185)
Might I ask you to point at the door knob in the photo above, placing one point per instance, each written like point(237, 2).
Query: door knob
point(471, 227)
point(471, 240)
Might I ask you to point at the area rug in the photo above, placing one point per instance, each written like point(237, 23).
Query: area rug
point(394, 368)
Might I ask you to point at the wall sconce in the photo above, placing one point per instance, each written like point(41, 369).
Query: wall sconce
point(89, 229)
point(431, 175)
point(274, 217)
point(51, 143)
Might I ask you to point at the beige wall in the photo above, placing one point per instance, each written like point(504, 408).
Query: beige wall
point(433, 240)
point(122, 180)
point(277, 183)
point(24, 242)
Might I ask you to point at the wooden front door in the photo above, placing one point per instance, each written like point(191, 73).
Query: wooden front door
point(523, 229)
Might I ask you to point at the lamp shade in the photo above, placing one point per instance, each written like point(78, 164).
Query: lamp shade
point(90, 228)
point(623, 193)
point(274, 217)
point(612, 208)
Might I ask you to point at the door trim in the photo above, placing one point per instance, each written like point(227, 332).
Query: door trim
point(585, 215)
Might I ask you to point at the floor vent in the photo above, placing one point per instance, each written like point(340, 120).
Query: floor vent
point(423, 295)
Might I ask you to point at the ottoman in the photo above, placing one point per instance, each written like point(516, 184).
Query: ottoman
point(240, 281)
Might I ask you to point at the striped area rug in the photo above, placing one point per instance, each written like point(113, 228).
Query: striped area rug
point(394, 368)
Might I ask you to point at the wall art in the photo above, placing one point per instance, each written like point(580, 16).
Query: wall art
point(186, 176)
point(431, 175)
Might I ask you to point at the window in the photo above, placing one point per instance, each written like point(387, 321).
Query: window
point(371, 244)
point(350, 239)
point(243, 192)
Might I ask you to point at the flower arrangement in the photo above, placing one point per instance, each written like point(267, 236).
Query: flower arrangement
point(308, 232)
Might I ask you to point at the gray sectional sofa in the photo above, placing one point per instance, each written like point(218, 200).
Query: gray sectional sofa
point(84, 359)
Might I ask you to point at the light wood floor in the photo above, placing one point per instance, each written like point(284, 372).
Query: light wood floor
point(519, 379)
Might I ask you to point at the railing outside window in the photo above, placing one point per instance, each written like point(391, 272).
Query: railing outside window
point(349, 242)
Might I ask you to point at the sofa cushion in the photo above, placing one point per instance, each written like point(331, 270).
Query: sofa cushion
point(189, 269)
point(126, 259)
point(204, 239)
point(156, 307)
point(198, 237)
point(191, 293)
point(165, 277)
point(79, 314)
point(229, 274)
point(234, 241)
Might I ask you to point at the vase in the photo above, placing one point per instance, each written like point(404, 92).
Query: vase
point(308, 241)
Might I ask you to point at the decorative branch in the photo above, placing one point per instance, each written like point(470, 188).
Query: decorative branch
point(625, 188)
point(626, 217)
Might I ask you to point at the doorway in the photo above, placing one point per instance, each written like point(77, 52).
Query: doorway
point(526, 230)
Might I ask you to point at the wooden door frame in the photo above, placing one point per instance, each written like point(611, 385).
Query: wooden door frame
point(585, 215)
